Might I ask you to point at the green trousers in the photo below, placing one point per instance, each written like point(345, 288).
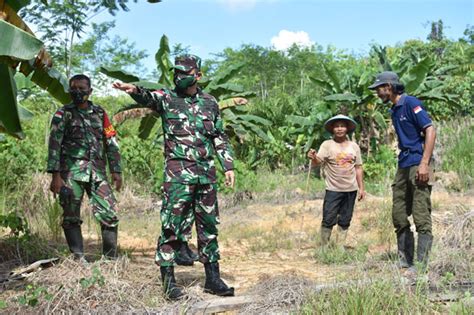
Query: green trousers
point(101, 197)
point(411, 198)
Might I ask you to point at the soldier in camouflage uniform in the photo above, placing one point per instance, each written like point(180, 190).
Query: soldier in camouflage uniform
point(193, 135)
point(81, 141)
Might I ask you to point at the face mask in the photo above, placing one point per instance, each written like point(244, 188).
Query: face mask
point(78, 96)
point(184, 81)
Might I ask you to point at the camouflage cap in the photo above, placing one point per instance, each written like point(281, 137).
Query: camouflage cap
point(187, 63)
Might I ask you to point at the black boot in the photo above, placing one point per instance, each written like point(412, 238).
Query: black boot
point(170, 289)
point(423, 249)
point(109, 242)
point(182, 257)
point(214, 283)
point(406, 248)
point(74, 241)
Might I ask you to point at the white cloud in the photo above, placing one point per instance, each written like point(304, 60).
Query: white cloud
point(285, 39)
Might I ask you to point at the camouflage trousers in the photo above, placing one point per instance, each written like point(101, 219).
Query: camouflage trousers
point(411, 198)
point(178, 200)
point(104, 205)
point(187, 227)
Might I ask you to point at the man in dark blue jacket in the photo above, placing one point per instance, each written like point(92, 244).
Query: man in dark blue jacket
point(411, 187)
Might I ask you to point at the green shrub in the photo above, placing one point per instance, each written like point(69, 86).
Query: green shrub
point(457, 142)
point(338, 255)
point(143, 162)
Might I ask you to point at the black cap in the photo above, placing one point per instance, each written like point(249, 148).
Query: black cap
point(386, 77)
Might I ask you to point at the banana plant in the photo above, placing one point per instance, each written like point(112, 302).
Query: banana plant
point(230, 96)
point(308, 129)
point(348, 94)
point(22, 53)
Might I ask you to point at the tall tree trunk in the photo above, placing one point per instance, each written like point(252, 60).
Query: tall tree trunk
point(69, 60)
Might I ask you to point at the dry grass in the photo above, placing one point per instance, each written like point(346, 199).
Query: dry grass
point(455, 255)
point(278, 294)
point(100, 287)
point(268, 250)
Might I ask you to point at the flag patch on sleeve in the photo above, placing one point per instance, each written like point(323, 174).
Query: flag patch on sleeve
point(417, 109)
point(59, 114)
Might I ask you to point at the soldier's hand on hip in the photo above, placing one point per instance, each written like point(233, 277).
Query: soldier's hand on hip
point(117, 180)
point(56, 183)
point(126, 87)
point(229, 178)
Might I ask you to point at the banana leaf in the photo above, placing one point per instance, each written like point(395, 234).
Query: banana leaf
point(380, 120)
point(331, 73)
point(9, 118)
point(299, 120)
point(146, 125)
point(119, 74)
point(256, 119)
point(223, 77)
point(164, 64)
point(223, 89)
point(417, 74)
point(23, 82)
point(49, 79)
point(323, 84)
point(344, 97)
point(21, 45)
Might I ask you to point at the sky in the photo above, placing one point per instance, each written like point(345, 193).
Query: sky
point(209, 26)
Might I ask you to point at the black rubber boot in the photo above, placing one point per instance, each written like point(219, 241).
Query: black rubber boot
point(74, 241)
point(170, 289)
point(109, 242)
point(190, 252)
point(406, 248)
point(182, 257)
point(214, 284)
point(423, 249)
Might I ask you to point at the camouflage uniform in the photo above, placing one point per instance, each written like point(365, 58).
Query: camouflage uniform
point(193, 134)
point(79, 144)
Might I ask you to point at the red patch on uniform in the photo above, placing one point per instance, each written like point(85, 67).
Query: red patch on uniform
point(159, 92)
point(109, 130)
point(417, 109)
point(59, 114)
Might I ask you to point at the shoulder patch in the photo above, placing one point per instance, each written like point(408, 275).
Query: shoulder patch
point(109, 130)
point(417, 109)
point(58, 116)
point(158, 92)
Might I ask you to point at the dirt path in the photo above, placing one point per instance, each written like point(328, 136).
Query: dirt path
point(262, 240)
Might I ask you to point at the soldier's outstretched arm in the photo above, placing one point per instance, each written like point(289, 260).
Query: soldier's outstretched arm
point(144, 97)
